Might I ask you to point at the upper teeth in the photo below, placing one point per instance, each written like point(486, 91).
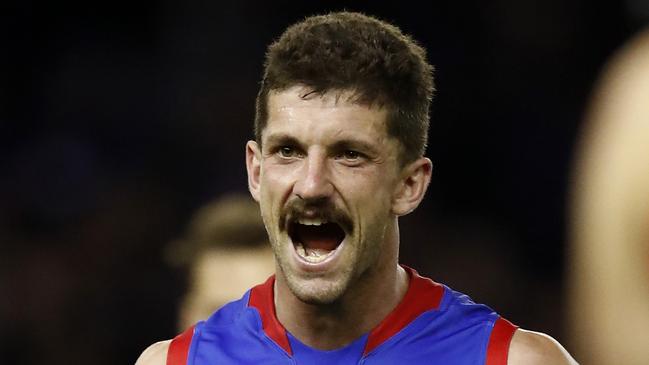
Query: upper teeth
point(311, 221)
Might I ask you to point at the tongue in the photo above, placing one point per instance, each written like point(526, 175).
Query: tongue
point(325, 237)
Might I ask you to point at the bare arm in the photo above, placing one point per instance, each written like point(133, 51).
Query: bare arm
point(609, 288)
point(534, 348)
point(155, 354)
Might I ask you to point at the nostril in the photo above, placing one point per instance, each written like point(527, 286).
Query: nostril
point(313, 190)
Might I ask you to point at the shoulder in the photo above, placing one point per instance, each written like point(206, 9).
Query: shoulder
point(534, 348)
point(155, 354)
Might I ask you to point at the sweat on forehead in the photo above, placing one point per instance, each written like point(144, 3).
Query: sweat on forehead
point(324, 106)
point(328, 98)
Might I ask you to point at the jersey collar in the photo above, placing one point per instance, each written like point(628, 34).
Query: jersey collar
point(422, 295)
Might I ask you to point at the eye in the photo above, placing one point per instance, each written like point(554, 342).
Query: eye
point(286, 152)
point(351, 155)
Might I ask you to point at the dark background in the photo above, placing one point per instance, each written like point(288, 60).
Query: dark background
point(118, 119)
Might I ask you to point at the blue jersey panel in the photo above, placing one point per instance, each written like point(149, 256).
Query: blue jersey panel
point(453, 331)
point(233, 335)
point(457, 333)
point(350, 354)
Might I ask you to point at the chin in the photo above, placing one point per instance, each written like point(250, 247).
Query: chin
point(317, 291)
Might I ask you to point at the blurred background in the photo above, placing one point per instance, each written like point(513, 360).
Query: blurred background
point(119, 119)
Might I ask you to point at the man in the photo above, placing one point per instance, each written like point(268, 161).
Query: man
point(341, 126)
point(223, 252)
point(609, 263)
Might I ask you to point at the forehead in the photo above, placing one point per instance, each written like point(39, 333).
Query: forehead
point(296, 109)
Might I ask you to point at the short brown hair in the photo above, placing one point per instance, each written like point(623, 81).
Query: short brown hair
point(355, 52)
point(231, 222)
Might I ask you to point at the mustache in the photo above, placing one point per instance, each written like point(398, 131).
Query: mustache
point(323, 210)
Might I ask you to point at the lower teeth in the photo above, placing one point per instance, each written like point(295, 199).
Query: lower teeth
point(312, 254)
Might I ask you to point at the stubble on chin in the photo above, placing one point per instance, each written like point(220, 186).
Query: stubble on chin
point(316, 290)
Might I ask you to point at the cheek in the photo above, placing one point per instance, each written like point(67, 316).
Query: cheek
point(276, 176)
point(275, 187)
point(269, 180)
point(376, 205)
point(372, 187)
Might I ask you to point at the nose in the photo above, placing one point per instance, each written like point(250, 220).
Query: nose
point(313, 184)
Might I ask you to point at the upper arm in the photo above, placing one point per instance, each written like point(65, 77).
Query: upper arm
point(609, 282)
point(155, 354)
point(533, 348)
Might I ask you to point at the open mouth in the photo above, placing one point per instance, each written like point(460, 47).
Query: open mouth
point(315, 239)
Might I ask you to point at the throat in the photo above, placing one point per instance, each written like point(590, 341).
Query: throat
point(335, 325)
point(328, 330)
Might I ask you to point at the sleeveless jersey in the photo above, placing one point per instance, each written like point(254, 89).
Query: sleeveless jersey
point(431, 325)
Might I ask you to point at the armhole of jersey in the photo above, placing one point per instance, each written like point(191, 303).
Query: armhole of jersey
point(501, 336)
point(179, 348)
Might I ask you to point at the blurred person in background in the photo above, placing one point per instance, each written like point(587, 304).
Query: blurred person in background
point(609, 266)
point(341, 128)
point(224, 252)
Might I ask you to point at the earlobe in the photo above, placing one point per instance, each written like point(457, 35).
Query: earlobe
point(253, 166)
point(412, 187)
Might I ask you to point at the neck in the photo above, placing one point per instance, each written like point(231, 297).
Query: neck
point(368, 300)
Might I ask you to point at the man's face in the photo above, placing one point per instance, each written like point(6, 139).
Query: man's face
point(327, 172)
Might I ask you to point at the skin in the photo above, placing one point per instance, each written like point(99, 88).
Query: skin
point(609, 263)
point(327, 151)
point(534, 348)
point(219, 276)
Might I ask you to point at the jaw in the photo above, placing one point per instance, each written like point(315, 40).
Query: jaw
point(321, 273)
point(316, 279)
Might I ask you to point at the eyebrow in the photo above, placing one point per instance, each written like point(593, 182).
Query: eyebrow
point(282, 138)
point(354, 144)
point(342, 144)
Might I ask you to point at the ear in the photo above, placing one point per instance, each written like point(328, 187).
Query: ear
point(412, 186)
point(253, 166)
